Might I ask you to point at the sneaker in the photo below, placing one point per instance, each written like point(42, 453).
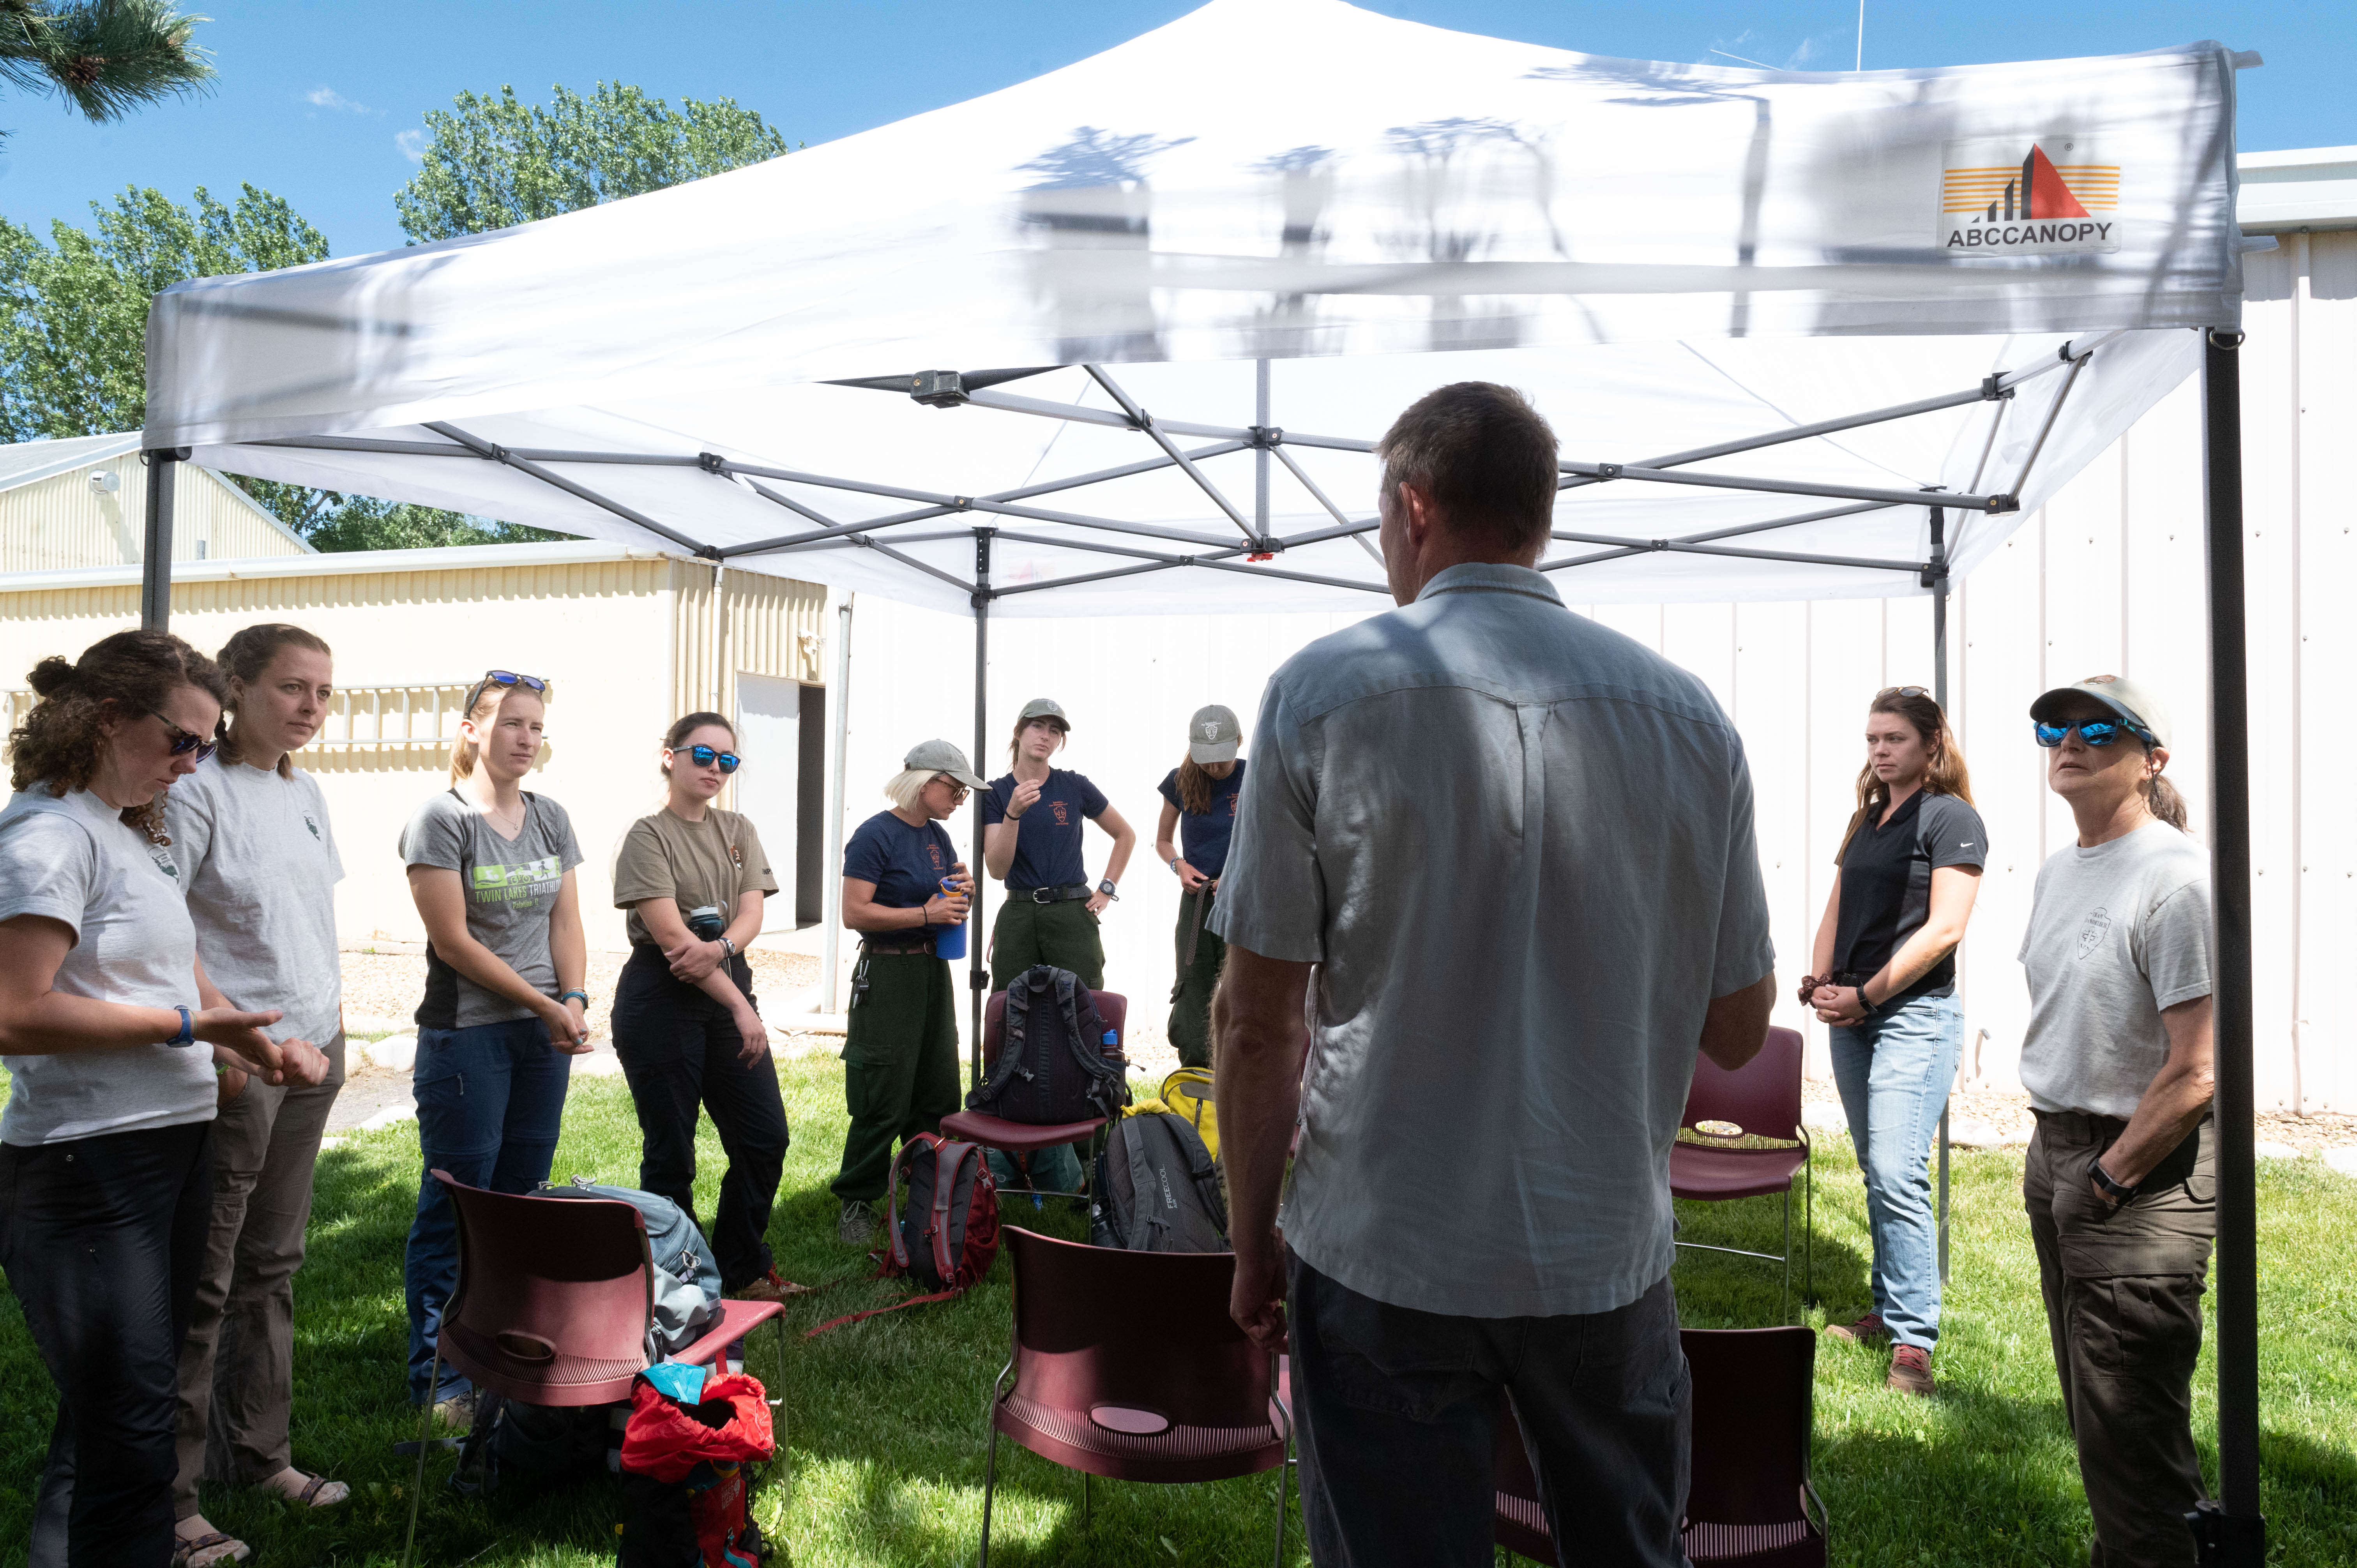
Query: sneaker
point(456, 1413)
point(858, 1226)
point(1910, 1370)
point(1867, 1330)
point(772, 1286)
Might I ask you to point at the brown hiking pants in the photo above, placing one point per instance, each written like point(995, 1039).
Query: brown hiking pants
point(2122, 1290)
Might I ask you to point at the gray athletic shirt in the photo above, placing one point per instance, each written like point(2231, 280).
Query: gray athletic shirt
point(2116, 933)
point(510, 885)
point(74, 861)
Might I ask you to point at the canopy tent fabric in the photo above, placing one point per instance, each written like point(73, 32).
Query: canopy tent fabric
point(1670, 259)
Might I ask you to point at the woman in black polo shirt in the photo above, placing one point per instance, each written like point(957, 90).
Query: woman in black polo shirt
point(1049, 914)
point(1886, 981)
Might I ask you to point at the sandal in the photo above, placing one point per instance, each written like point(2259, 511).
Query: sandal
point(204, 1551)
point(316, 1491)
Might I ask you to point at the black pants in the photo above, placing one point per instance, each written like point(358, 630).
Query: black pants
point(680, 1049)
point(1397, 1412)
point(103, 1240)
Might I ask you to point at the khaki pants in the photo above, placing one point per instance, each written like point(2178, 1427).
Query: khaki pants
point(2122, 1290)
point(237, 1362)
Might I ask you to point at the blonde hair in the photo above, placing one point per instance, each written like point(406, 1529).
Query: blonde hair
point(463, 752)
point(906, 788)
point(245, 656)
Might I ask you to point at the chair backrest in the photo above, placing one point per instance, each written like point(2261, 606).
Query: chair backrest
point(1112, 1010)
point(1752, 1414)
point(1762, 1096)
point(553, 1295)
point(1098, 1325)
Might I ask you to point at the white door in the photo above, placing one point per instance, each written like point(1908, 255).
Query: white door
point(768, 737)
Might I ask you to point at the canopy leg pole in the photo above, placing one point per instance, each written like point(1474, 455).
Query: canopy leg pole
point(830, 981)
point(2232, 1531)
point(1939, 576)
point(1260, 449)
point(155, 559)
point(978, 977)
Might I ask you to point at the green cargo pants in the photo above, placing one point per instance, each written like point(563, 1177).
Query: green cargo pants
point(1190, 999)
point(900, 1067)
point(1064, 934)
point(2122, 1290)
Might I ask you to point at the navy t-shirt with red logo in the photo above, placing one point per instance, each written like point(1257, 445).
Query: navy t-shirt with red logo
point(1048, 834)
point(907, 863)
point(1203, 839)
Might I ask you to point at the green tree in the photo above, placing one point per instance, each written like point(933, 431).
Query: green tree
point(104, 57)
point(493, 162)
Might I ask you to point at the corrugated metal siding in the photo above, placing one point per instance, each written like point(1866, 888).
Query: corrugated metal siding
point(775, 625)
point(62, 521)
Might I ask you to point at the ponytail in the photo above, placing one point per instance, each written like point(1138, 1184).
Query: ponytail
point(1194, 788)
point(2161, 798)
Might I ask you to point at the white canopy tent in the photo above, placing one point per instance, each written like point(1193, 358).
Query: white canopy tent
point(1118, 341)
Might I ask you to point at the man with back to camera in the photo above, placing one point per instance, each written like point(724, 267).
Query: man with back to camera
point(1517, 847)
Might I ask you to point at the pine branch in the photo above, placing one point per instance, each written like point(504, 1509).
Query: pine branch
point(105, 58)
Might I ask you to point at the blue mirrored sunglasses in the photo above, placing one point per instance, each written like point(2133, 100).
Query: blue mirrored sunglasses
point(706, 756)
point(503, 677)
point(2094, 732)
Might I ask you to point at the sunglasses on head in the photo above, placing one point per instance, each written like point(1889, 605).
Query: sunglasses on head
point(183, 742)
point(2094, 732)
point(504, 678)
point(706, 756)
point(1902, 691)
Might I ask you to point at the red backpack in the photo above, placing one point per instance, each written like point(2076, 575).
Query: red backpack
point(947, 1238)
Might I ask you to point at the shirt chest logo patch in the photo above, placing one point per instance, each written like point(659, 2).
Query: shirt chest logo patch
point(934, 850)
point(312, 824)
point(736, 857)
point(1062, 812)
point(163, 861)
point(2091, 934)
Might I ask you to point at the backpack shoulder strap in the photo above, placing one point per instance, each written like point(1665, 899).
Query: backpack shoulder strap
point(900, 1163)
point(1143, 1189)
point(947, 1158)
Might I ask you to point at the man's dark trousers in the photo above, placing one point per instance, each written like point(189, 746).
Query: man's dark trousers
point(1397, 1412)
point(2122, 1290)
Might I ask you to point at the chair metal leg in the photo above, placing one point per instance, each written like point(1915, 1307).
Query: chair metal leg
point(1085, 1498)
point(425, 1434)
point(1785, 1316)
point(989, 1485)
point(1285, 1424)
point(1808, 1232)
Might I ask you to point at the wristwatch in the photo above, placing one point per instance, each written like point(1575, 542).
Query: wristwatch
point(1865, 1009)
point(1105, 887)
point(2110, 1188)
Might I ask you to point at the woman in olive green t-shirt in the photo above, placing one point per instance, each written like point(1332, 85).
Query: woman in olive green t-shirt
point(693, 877)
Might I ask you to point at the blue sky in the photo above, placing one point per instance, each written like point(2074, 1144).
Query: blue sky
point(321, 100)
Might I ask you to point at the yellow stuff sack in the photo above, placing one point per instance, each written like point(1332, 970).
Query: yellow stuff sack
point(1188, 1094)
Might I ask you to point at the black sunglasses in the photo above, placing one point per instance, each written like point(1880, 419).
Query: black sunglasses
point(504, 678)
point(2094, 732)
point(183, 742)
point(706, 756)
point(957, 790)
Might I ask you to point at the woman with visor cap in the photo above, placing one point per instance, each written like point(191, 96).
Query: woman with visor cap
point(1031, 841)
point(1199, 803)
point(903, 885)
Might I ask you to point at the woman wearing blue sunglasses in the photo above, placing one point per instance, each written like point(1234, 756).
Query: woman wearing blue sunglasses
point(694, 878)
point(1884, 980)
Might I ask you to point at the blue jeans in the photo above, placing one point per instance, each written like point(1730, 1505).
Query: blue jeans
point(1893, 1072)
point(490, 1101)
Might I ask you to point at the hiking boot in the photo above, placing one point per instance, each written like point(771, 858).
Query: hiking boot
point(456, 1413)
point(858, 1226)
point(1910, 1370)
point(772, 1286)
point(1867, 1330)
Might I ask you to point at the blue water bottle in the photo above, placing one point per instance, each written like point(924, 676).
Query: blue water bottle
point(949, 941)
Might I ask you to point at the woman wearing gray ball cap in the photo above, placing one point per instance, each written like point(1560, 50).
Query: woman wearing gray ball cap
point(1199, 803)
point(903, 885)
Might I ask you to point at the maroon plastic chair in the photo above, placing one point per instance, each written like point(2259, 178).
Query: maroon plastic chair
point(1020, 1137)
point(555, 1302)
point(1127, 1365)
point(1751, 1503)
point(1762, 1097)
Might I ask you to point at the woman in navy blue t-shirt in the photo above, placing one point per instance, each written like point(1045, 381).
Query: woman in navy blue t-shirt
point(1199, 803)
point(903, 885)
point(1031, 828)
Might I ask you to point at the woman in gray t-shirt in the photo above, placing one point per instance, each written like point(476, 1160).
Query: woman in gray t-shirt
point(490, 866)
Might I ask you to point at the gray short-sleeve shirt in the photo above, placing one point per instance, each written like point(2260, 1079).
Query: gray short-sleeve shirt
point(1519, 845)
point(2117, 934)
point(510, 885)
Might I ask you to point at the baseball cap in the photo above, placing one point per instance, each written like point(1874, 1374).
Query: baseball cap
point(2124, 697)
point(1043, 708)
point(943, 756)
point(1212, 735)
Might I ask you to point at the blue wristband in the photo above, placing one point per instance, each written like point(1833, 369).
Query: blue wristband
point(187, 1035)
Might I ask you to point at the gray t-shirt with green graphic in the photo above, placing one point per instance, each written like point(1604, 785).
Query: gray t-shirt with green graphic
point(510, 885)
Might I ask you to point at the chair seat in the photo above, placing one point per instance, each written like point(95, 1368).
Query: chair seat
point(1698, 1172)
point(737, 1319)
point(1179, 1453)
point(1016, 1138)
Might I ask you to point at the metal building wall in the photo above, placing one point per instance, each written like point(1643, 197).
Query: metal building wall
point(63, 521)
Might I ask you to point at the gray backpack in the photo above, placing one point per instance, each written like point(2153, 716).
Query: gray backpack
point(688, 1282)
point(1158, 1188)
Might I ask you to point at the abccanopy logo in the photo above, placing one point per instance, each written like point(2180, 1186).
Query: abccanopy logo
point(2020, 195)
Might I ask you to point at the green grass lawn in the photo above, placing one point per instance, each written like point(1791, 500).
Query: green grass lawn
point(887, 1416)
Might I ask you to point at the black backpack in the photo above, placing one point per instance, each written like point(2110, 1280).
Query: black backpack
point(1158, 1188)
point(1051, 1067)
point(514, 1446)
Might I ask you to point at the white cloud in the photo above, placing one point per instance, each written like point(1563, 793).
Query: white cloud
point(1801, 56)
point(324, 97)
point(412, 145)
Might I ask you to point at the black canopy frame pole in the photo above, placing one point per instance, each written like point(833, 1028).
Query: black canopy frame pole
point(1935, 577)
point(978, 935)
point(156, 567)
point(2232, 1531)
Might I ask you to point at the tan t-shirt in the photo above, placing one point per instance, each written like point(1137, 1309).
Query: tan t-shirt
point(716, 861)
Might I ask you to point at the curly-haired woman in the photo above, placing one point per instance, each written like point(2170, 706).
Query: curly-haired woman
point(105, 1181)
